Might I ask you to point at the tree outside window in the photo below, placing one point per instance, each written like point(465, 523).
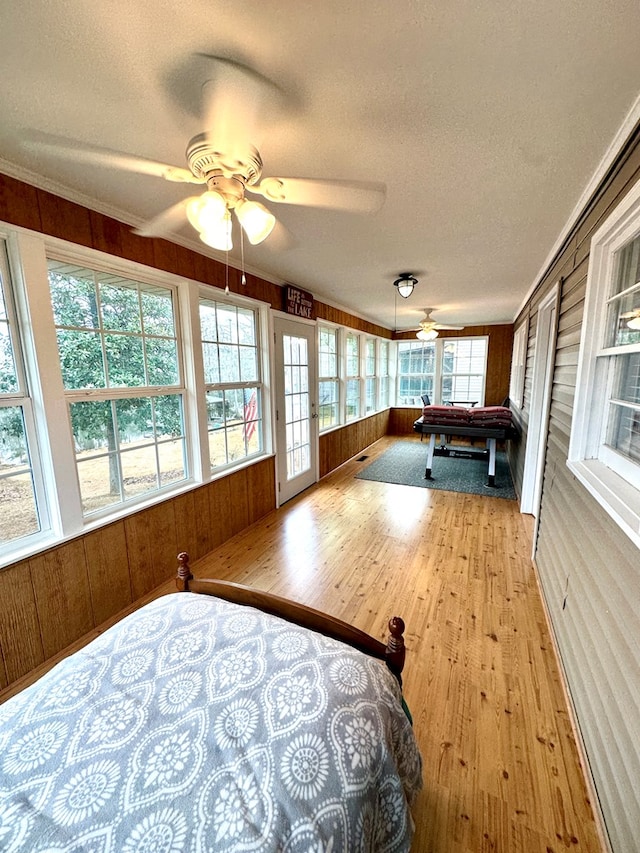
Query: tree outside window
point(118, 351)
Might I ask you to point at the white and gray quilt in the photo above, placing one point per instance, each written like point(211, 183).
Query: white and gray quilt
point(195, 725)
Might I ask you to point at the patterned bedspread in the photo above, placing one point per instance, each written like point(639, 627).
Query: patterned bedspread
point(197, 725)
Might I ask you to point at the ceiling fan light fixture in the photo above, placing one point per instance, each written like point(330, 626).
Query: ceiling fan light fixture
point(431, 335)
point(207, 211)
point(255, 219)
point(405, 284)
point(218, 235)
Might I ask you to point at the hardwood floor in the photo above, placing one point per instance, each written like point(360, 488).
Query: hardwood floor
point(501, 768)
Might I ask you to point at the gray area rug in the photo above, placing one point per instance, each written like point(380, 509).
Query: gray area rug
point(405, 462)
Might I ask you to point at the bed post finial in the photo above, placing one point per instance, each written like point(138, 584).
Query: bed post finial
point(184, 572)
point(396, 651)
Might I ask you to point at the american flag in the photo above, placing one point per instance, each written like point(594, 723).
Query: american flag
point(250, 413)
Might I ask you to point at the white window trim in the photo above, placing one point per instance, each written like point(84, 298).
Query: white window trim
point(617, 496)
point(339, 330)
point(438, 373)
point(519, 364)
point(28, 252)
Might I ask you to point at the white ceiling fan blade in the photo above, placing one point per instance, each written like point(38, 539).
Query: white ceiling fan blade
point(94, 155)
point(442, 327)
point(355, 196)
point(165, 223)
point(236, 102)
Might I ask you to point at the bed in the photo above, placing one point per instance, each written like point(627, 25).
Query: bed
point(230, 720)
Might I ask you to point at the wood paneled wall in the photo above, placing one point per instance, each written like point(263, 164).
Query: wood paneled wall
point(38, 210)
point(588, 568)
point(343, 318)
point(50, 600)
point(342, 444)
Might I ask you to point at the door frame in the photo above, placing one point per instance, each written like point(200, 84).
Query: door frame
point(280, 317)
point(540, 404)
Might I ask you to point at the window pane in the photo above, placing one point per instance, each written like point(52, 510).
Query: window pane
point(125, 361)
point(353, 365)
point(93, 427)
point(208, 321)
point(134, 418)
point(8, 374)
point(246, 327)
point(248, 364)
point(133, 322)
point(231, 357)
point(172, 462)
point(168, 416)
point(73, 296)
point(81, 359)
point(229, 363)
point(19, 516)
point(227, 325)
point(328, 404)
point(120, 309)
point(139, 471)
point(370, 393)
point(157, 311)
point(99, 483)
point(416, 371)
point(211, 363)
point(118, 447)
point(352, 398)
point(623, 429)
point(162, 361)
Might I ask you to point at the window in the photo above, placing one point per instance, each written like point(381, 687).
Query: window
point(352, 369)
point(464, 365)
point(230, 349)
point(370, 375)
point(518, 365)
point(604, 451)
point(383, 374)
point(448, 370)
point(118, 352)
point(416, 371)
point(21, 496)
point(328, 378)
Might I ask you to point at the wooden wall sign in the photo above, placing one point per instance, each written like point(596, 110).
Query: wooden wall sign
point(297, 302)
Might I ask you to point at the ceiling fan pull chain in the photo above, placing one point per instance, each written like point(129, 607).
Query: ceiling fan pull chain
point(243, 278)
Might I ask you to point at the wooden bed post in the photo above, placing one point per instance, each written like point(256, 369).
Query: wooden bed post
point(184, 572)
point(396, 651)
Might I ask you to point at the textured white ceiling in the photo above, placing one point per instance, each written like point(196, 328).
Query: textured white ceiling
point(486, 122)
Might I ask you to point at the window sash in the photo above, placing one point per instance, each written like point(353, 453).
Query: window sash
point(232, 382)
point(21, 477)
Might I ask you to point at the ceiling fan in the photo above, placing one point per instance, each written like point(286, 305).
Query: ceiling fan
point(224, 158)
point(428, 328)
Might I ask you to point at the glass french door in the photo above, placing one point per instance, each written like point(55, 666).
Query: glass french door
point(296, 415)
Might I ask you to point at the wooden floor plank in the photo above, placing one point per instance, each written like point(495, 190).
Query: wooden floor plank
point(501, 768)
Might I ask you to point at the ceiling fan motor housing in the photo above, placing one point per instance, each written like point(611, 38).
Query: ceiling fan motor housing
point(224, 173)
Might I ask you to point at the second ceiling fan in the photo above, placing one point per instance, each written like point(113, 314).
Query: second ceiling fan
point(428, 328)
